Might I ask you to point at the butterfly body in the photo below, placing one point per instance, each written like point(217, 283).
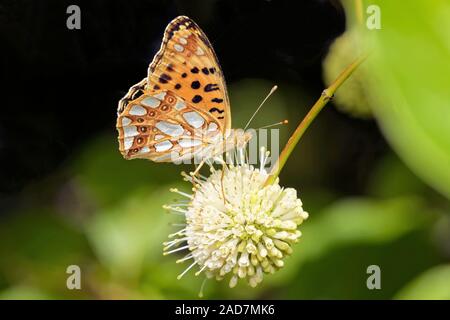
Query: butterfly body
point(181, 110)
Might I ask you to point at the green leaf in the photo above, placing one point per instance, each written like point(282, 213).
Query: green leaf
point(354, 221)
point(434, 284)
point(350, 98)
point(37, 247)
point(408, 84)
point(391, 178)
point(24, 293)
point(123, 237)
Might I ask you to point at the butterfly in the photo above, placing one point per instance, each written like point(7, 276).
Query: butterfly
point(181, 110)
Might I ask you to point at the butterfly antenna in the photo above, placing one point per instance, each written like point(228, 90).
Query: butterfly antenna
point(275, 124)
point(254, 114)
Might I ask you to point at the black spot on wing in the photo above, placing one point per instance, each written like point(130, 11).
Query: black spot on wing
point(215, 110)
point(137, 94)
point(170, 67)
point(195, 84)
point(217, 100)
point(197, 99)
point(211, 87)
point(176, 24)
point(164, 78)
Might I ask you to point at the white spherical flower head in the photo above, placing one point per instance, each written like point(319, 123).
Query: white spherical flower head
point(236, 225)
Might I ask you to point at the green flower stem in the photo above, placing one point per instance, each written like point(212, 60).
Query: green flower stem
point(359, 11)
point(326, 95)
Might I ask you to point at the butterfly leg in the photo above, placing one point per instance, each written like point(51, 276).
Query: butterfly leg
point(199, 167)
point(221, 183)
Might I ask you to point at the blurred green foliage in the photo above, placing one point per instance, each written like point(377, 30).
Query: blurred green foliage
point(432, 284)
point(350, 98)
point(105, 214)
point(408, 84)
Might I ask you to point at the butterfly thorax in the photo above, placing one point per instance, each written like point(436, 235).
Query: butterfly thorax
point(231, 139)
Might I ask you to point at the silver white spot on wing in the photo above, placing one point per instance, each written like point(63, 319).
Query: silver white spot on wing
point(170, 129)
point(178, 47)
point(188, 143)
point(180, 105)
point(125, 121)
point(151, 102)
point(194, 119)
point(199, 51)
point(212, 127)
point(127, 143)
point(158, 137)
point(182, 41)
point(137, 110)
point(130, 131)
point(144, 149)
point(163, 146)
point(161, 95)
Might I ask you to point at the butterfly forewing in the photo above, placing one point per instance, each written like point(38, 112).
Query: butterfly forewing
point(181, 104)
point(187, 64)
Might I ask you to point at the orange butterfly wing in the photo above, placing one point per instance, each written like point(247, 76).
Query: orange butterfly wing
point(184, 97)
point(188, 65)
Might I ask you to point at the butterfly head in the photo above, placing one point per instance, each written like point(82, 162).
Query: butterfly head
point(235, 138)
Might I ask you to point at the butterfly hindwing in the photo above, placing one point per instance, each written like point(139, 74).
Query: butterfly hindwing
point(162, 127)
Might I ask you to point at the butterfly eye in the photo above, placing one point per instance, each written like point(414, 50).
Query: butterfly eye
point(140, 140)
point(140, 120)
point(143, 129)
